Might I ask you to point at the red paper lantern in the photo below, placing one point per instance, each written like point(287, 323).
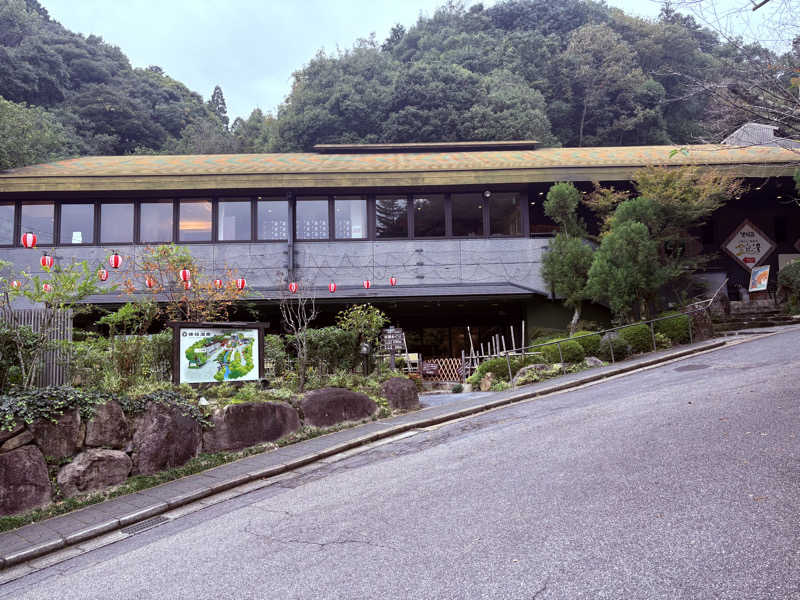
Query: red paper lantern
point(102, 274)
point(29, 240)
point(46, 288)
point(46, 261)
point(218, 284)
point(331, 287)
point(392, 281)
point(187, 285)
point(115, 260)
point(367, 284)
point(293, 287)
point(149, 282)
point(16, 284)
point(241, 282)
point(185, 275)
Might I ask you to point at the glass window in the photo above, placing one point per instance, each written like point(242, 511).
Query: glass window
point(77, 223)
point(233, 219)
point(391, 217)
point(429, 215)
point(350, 218)
point(468, 214)
point(194, 224)
point(273, 219)
point(312, 218)
point(6, 224)
point(155, 222)
point(116, 223)
point(505, 217)
point(38, 219)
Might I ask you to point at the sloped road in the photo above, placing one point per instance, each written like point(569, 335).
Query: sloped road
point(682, 481)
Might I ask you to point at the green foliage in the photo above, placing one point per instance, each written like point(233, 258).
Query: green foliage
point(275, 355)
point(571, 351)
point(662, 341)
point(561, 205)
point(332, 348)
point(31, 135)
point(457, 388)
point(499, 367)
point(132, 318)
point(590, 343)
point(365, 320)
point(616, 344)
point(500, 386)
point(638, 337)
point(19, 405)
point(789, 279)
point(13, 341)
point(676, 329)
point(167, 397)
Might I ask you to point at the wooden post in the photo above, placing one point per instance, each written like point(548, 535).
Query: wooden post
point(522, 341)
point(513, 342)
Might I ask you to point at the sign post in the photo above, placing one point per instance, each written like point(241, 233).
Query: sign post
point(748, 245)
point(393, 342)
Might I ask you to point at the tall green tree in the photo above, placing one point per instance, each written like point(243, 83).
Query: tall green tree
point(218, 107)
point(31, 135)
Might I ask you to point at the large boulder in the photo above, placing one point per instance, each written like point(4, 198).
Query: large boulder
point(401, 393)
point(24, 483)
point(26, 437)
point(59, 439)
point(94, 469)
point(6, 434)
point(329, 406)
point(164, 438)
point(241, 425)
point(108, 427)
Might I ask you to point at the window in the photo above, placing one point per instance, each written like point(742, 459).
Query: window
point(194, 224)
point(272, 219)
point(77, 223)
point(505, 217)
point(38, 219)
point(350, 218)
point(429, 215)
point(391, 217)
point(233, 219)
point(6, 224)
point(468, 214)
point(116, 223)
point(155, 222)
point(312, 218)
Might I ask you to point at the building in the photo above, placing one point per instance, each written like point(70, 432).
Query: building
point(459, 225)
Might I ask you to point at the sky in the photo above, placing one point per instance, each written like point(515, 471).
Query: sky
point(250, 48)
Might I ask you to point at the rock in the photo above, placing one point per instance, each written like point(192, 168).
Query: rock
point(329, 406)
point(593, 361)
point(401, 393)
point(108, 427)
point(164, 438)
point(241, 425)
point(26, 437)
point(94, 469)
point(537, 368)
point(60, 439)
point(24, 483)
point(487, 381)
point(6, 434)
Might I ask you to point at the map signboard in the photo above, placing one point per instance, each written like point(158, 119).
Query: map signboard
point(748, 245)
point(210, 353)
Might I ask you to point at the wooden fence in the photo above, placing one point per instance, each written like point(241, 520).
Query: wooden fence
point(53, 369)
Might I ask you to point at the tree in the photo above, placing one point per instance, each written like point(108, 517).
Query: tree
point(561, 205)
point(217, 105)
point(565, 268)
point(298, 310)
point(30, 135)
point(365, 320)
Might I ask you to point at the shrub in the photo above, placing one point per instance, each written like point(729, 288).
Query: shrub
point(639, 337)
point(331, 348)
point(19, 405)
point(457, 388)
point(571, 351)
point(275, 357)
point(590, 343)
point(789, 278)
point(614, 342)
point(10, 369)
point(662, 341)
point(676, 329)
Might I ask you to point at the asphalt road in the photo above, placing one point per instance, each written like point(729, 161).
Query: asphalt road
point(682, 481)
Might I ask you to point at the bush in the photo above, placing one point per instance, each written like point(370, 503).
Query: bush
point(677, 329)
point(617, 343)
point(457, 388)
point(26, 406)
point(10, 368)
point(331, 349)
point(789, 278)
point(590, 343)
point(571, 351)
point(639, 337)
point(662, 341)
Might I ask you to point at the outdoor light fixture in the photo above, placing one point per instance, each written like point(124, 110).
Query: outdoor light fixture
point(293, 287)
point(46, 288)
point(115, 260)
point(218, 284)
point(241, 283)
point(487, 194)
point(46, 261)
point(392, 281)
point(185, 275)
point(29, 240)
point(367, 284)
point(331, 287)
point(102, 274)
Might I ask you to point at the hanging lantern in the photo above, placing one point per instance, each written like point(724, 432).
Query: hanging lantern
point(29, 240)
point(187, 285)
point(149, 282)
point(241, 282)
point(367, 284)
point(185, 275)
point(46, 288)
point(46, 261)
point(115, 260)
point(293, 287)
point(392, 281)
point(218, 284)
point(16, 284)
point(102, 274)
point(331, 287)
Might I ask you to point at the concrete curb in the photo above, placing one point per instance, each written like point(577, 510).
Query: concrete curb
point(34, 550)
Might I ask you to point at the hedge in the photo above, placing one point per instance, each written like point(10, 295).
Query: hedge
point(639, 337)
point(676, 329)
point(590, 343)
point(620, 346)
point(571, 351)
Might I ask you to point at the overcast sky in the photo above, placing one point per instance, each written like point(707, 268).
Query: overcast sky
point(248, 47)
